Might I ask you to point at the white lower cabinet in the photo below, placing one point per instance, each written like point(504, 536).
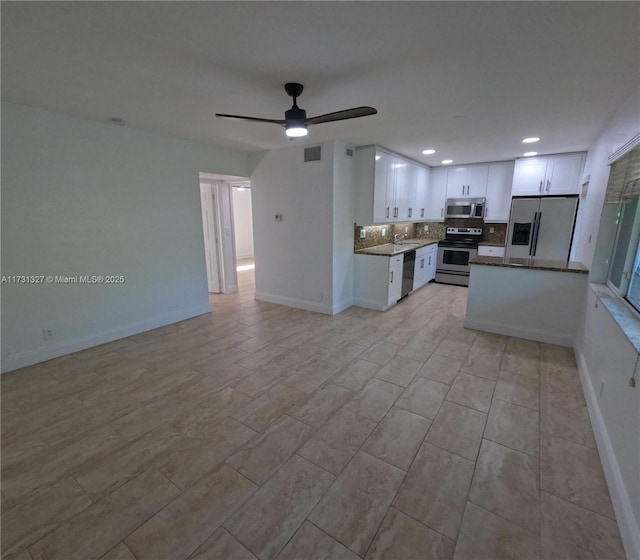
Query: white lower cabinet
point(490, 251)
point(425, 268)
point(377, 280)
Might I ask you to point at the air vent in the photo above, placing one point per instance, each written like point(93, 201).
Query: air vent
point(313, 153)
point(348, 152)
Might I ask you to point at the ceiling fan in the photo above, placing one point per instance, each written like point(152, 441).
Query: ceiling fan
point(295, 119)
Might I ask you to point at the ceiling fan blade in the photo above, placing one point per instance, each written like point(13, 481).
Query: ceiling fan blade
point(342, 115)
point(252, 119)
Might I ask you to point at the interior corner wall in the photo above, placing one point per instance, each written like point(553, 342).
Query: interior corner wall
point(86, 198)
point(293, 255)
point(343, 220)
point(605, 356)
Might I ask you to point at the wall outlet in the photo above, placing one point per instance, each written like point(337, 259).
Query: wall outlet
point(426, 227)
point(278, 217)
point(491, 229)
point(384, 231)
point(47, 334)
point(406, 229)
point(363, 233)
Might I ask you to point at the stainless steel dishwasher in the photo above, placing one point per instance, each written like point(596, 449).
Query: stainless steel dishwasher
point(407, 273)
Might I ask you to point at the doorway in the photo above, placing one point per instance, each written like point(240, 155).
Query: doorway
point(243, 235)
point(227, 224)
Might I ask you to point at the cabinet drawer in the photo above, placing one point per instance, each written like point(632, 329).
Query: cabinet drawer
point(490, 251)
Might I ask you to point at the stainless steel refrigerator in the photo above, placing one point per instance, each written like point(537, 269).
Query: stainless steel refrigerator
point(541, 227)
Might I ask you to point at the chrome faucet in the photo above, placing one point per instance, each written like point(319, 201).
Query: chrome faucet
point(398, 237)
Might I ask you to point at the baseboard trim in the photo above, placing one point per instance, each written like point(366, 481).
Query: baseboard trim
point(529, 334)
point(371, 304)
point(62, 348)
point(627, 523)
point(341, 306)
point(297, 303)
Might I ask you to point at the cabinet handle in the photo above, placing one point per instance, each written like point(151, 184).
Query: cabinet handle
point(392, 276)
point(462, 190)
point(467, 190)
point(421, 263)
point(410, 212)
point(548, 185)
point(541, 187)
point(395, 212)
point(429, 261)
point(422, 212)
point(387, 212)
point(441, 212)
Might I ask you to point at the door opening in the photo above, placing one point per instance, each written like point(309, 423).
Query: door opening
point(228, 232)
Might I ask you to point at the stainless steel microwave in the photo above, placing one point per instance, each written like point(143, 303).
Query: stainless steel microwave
point(465, 208)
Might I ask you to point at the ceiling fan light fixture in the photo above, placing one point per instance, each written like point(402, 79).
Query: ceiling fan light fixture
point(296, 130)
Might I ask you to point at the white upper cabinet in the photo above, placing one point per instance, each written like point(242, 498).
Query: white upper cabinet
point(467, 182)
point(389, 188)
point(437, 194)
point(498, 205)
point(540, 176)
point(422, 192)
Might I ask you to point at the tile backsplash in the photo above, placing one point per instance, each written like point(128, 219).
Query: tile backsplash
point(435, 230)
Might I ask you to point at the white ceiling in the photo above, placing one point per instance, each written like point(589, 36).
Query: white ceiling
point(470, 79)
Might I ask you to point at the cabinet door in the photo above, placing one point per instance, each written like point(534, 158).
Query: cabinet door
point(563, 175)
point(381, 208)
point(437, 194)
point(395, 187)
point(477, 181)
point(422, 193)
point(419, 271)
point(529, 177)
point(498, 206)
point(395, 283)
point(406, 190)
point(457, 182)
point(430, 274)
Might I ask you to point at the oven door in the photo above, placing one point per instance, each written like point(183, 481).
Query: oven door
point(455, 259)
point(459, 208)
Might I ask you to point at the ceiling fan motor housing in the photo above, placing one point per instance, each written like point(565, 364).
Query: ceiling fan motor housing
point(295, 114)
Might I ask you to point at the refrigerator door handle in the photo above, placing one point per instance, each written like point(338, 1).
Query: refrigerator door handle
point(535, 241)
point(533, 234)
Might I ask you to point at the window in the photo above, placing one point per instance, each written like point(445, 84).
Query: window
point(624, 190)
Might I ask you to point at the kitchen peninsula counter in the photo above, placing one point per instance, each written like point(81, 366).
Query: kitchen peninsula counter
point(529, 298)
point(533, 264)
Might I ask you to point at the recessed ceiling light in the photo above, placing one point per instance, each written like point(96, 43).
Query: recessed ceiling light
point(445, 161)
point(529, 154)
point(428, 152)
point(531, 140)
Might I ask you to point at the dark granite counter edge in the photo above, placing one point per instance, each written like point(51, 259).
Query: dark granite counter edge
point(386, 250)
point(576, 268)
point(491, 244)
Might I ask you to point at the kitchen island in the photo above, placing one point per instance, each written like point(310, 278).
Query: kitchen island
point(530, 298)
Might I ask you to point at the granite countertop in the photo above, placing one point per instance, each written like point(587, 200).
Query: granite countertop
point(535, 264)
point(389, 249)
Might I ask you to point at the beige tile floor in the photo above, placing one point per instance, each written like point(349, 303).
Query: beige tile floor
point(260, 431)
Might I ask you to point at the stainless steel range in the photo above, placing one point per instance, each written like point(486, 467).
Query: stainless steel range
point(454, 253)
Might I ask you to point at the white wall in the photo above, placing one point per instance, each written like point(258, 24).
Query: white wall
point(243, 223)
point(343, 227)
point(603, 350)
point(86, 198)
point(294, 257)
